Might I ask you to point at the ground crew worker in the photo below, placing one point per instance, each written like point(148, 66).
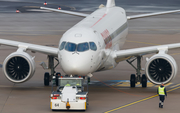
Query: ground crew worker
point(77, 84)
point(68, 84)
point(162, 92)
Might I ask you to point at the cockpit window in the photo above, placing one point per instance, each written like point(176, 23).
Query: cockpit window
point(62, 45)
point(93, 46)
point(70, 47)
point(83, 47)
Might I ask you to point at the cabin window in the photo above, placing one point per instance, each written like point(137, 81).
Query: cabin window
point(62, 45)
point(83, 47)
point(93, 46)
point(70, 47)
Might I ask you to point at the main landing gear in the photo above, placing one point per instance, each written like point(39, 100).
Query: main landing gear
point(49, 77)
point(137, 78)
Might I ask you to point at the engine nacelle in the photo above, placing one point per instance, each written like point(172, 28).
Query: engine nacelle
point(161, 68)
point(19, 67)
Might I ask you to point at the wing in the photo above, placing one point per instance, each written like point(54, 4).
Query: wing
point(66, 12)
point(151, 14)
point(128, 17)
point(31, 47)
point(126, 54)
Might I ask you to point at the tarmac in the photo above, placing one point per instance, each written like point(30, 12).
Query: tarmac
point(109, 90)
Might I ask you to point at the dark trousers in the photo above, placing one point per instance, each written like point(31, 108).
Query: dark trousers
point(161, 98)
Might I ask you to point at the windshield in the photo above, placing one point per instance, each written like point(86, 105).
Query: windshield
point(70, 47)
point(83, 47)
point(62, 45)
point(70, 82)
point(93, 46)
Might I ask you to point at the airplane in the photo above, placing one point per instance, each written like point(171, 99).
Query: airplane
point(92, 45)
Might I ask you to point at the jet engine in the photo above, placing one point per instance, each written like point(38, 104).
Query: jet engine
point(19, 67)
point(161, 68)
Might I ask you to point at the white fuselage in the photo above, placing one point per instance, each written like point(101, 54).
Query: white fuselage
point(88, 45)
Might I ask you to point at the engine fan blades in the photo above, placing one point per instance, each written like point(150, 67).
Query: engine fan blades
point(17, 68)
point(160, 70)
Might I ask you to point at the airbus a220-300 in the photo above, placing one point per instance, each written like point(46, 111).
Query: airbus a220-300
point(94, 44)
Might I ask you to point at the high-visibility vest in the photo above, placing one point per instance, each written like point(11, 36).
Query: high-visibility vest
point(161, 90)
point(67, 85)
point(77, 84)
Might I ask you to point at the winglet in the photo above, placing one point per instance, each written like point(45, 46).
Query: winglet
point(110, 3)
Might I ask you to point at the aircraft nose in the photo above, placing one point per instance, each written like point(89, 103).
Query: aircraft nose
point(76, 64)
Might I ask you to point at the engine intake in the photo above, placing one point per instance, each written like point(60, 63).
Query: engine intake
point(19, 67)
point(161, 68)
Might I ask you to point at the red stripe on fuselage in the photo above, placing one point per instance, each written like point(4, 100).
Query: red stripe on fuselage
point(99, 20)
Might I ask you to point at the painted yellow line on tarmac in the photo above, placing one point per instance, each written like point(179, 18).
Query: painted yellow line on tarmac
point(164, 85)
point(127, 84)
point(138, 84)
point(117, 84)
point(167, 84)
point(173, 89)
point(124, 84)
point(149, 84)
point(138, 101)
point(130, 104)
point(174, 86)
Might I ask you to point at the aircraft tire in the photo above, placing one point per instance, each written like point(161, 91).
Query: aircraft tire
point(46, 79)
point(132, 80)
point(144, 81)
